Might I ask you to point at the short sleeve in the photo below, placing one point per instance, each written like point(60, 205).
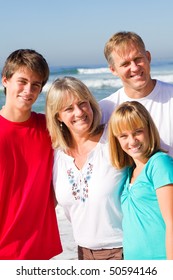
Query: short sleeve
point(161, 170)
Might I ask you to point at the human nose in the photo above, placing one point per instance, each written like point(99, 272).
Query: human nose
point(134, 66)
point(132, 140)
point(78, 110)
point(28, 88)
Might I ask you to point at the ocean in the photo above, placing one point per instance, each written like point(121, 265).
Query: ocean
point(99, 79)
point(101, 83)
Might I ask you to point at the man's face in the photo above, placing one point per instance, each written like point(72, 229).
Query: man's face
point(132, 66)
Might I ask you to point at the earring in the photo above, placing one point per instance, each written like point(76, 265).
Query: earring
point(61, 126)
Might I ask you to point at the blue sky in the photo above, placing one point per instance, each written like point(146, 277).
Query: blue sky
point(74, 32)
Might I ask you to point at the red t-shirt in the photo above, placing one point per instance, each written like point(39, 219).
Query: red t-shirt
point(28, 224)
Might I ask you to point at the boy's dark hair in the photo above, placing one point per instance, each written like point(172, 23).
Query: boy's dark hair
point(26, 58)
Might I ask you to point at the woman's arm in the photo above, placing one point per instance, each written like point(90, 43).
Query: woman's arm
point(165, 199)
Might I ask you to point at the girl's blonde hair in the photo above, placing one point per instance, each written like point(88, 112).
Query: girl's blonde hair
point(61, 93)
point(130, 115)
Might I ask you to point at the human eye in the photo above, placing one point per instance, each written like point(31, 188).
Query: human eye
point(125, 64)
point(21, 81)
point(36, 87)
point(83, 103)
point(139, 131)
point(123, 136)
point(68, 109)
point(139, 59)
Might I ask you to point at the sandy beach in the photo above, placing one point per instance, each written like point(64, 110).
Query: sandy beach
point(69, 246)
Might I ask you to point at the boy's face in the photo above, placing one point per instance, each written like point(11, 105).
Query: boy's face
point(22, 89)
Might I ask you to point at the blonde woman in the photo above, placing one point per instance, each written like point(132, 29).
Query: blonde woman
point(86, 184)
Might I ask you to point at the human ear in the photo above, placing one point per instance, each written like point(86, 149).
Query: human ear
point(4, 81)
point(148, 55)
point(113, 70)
point(58, 117)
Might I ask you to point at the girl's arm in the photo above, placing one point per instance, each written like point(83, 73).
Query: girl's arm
point(165, 199)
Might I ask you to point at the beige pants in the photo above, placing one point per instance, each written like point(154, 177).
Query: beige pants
point(104, 254)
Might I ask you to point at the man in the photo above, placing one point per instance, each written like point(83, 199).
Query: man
point(28, 226)
point(129, 60)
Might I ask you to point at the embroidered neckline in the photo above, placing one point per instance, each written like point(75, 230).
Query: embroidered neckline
point(80, 185)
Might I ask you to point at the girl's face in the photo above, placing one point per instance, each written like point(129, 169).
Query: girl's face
point(135, 143)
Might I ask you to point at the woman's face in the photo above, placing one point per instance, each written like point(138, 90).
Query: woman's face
point(77, 116)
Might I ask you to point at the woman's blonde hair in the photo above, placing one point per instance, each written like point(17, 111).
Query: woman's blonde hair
point(130, 115)
point(61, 93)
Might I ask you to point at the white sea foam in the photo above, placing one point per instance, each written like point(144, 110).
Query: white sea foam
point(107, 81)
point(91, 71)
point(96, 83)
point(103, 83)
point(168, 78)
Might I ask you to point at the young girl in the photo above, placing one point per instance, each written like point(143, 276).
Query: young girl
point(147, 198)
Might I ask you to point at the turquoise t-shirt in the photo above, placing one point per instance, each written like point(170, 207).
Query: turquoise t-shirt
point(143, 225)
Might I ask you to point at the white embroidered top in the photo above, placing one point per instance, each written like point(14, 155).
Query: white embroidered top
point(91, 197)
